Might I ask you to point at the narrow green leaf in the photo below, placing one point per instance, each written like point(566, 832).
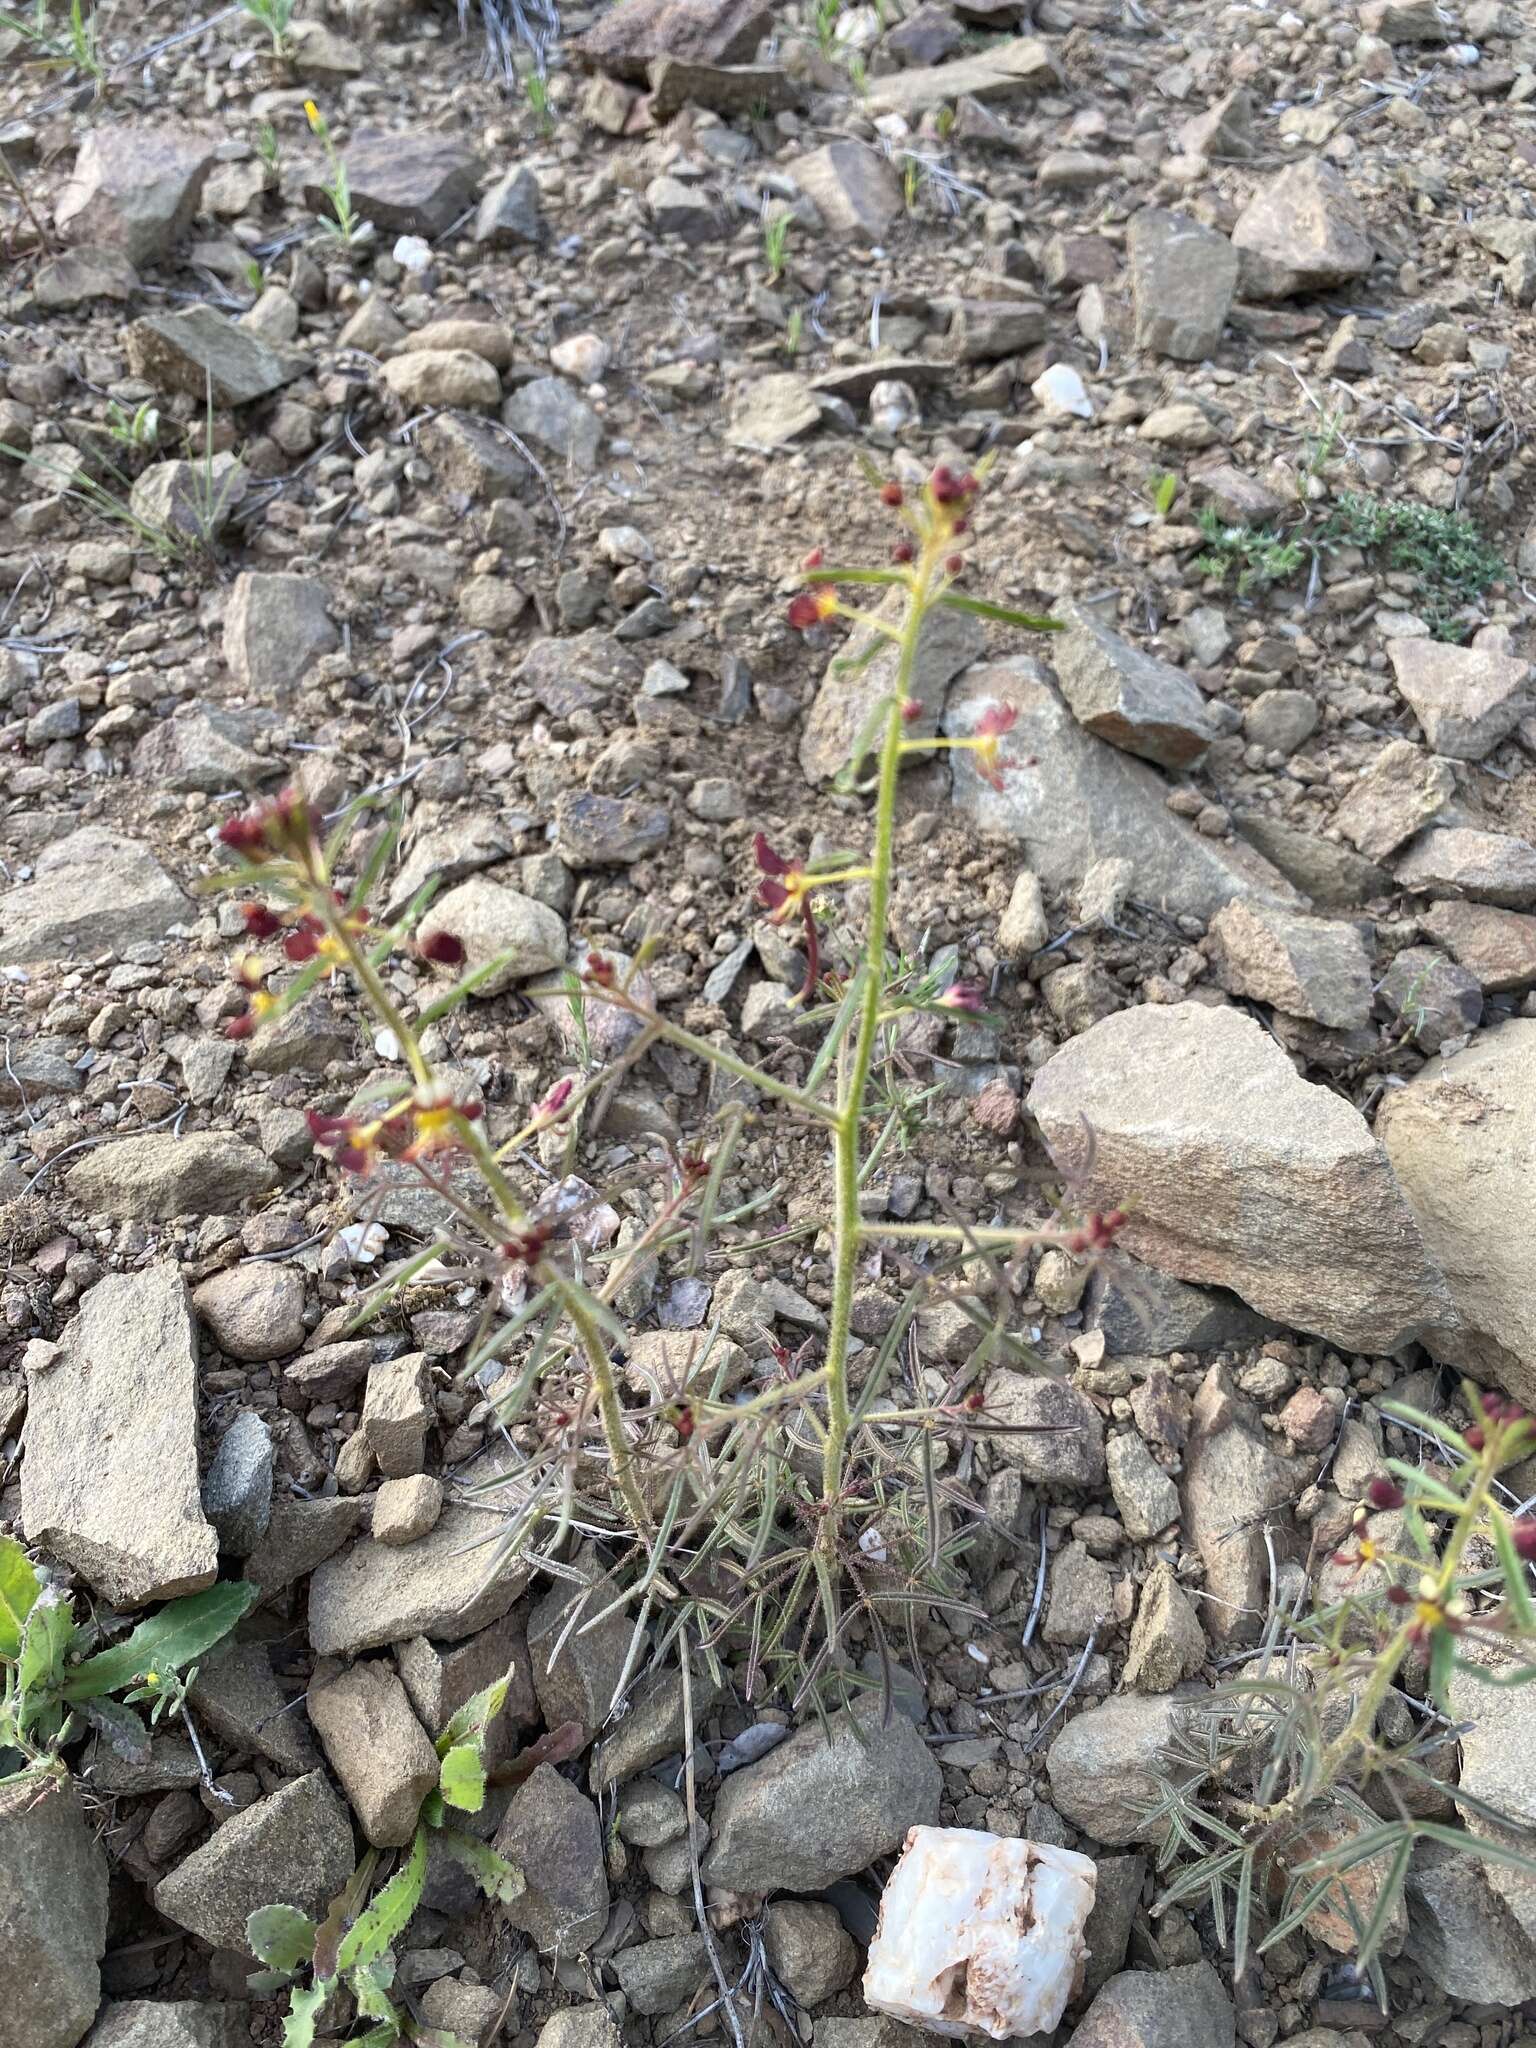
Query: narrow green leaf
point(1489, 1847)
point(19, 1588)
point(1421, 1487)
point(282, 1936)
point(1242, 1912)
point(1391, 1891)
point(978, 607)
point(461, 1778)
point(1432, 1425)
point(1442, 1662)
point(1291, 1920)
point(1516, 1586)
point(825, 575)
point(1356, 1849)
point(496, 1877)
point(864, 744)
point(464, 986)
point(182, 1631)
point(389, 1915)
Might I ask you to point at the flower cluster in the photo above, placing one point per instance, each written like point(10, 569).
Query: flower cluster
point(429, 1120)
point(279, 828)
point(305, 938)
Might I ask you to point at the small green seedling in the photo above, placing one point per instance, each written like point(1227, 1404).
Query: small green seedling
point(776, 244)
point(275, 17)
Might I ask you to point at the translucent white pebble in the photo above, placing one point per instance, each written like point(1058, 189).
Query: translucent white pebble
point(979, 1934)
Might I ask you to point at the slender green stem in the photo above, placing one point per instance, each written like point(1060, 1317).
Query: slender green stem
point(611, 1412)
point(855, 1080)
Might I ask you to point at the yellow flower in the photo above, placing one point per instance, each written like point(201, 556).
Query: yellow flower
point(315, 118)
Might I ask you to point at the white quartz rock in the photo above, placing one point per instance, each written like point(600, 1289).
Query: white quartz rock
point(979, 1934)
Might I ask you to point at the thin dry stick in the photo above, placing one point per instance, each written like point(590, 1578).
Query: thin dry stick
point(727, 1996)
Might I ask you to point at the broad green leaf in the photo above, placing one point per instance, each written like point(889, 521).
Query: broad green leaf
point(389, 1915)
point(264, 1983)
point(182, 1631)
point(476, 1714)
point(978, 607)
point(19, 1588)
point(304, 2009)
point(370, 1984)
point(282, 1936)
point(120, 1728)
point(462, 1778)
point(496, 1877)
point(45, 1643)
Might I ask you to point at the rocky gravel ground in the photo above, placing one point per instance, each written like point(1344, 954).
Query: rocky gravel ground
point(497, 510)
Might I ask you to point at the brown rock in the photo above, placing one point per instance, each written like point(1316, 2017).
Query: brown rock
point(1306, 966)
point(627, 41)
point(1498, 946)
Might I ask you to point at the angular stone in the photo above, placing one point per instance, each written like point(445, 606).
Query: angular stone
point(91, 892)
point(170, 2023)
point(1236, 498)
point(687, 211)
point(80, 275)
point(1498, 947)
point(1403, 21)
point(397, 1413)
point(202, 749)
point(986, 329)
point(852, 187)
point(1167, 1642)
point(1083, 801)
point(133, 189)
point(292, 1848)
point(510, 214)
point(494, 922)
point(580, 2026)
point(552, 1833)
point(447, 1586)
point(653, 1728)
point(1402, 791)
point(405, 1509)
point(53, 1914)
point(547, 412)
point(823, 1804)
point(301, 1534)
point(237, 1489)
point(723, 88)
point(1147, 1498)
point(658, 1976)
point(1312, 967)
point(1461, 1137)
point(236, 1696)
point(1006, 71)
point(442, 377)
point(858, 677)
point(1335, 877)
point(1302, 232)
point(189, 501)
point(1081, 1593)
point(608, 831)
point(378, 1749)
point(1225, 129)
point(256, 1311)
point(811, 1953)
point(205, 1173)
point(440, 1677)
point(1143, 1313)
point(405, 184)
point(198, 350)
point(1140, 704)
point(1466, 699)
point(1233, 1481)
point(1185, 2007)
point(1281, 721)
point(1244, 1175)
point(1105, 1763)
point(109, 1476)
point(471, 456)
point(1054, 1434)
point(276, 627)
point(693, 31)
point(1456, 860)
point(577, 1680)
point(1435, 998)
point(1463, 1934)
point(1183, 276)
point(773, 411)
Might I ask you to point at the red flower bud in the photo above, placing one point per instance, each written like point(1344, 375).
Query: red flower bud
point(1523, 1534)
point(1384, 1493)
point(1399, 1596)
point(814, 559)
point(953, 564)
point(442, 949)
point(241, 1026)
point(902, 551)
point(301, 945)
point(911, 711)
point(1475, 1437)
point(260, 921)
point(891, 494)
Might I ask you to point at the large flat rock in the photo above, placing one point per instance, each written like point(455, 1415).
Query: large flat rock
point(109, 1478)
point(1240, 1174)
point(1082, 800)
point(373, 1593)
point(92, 892)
